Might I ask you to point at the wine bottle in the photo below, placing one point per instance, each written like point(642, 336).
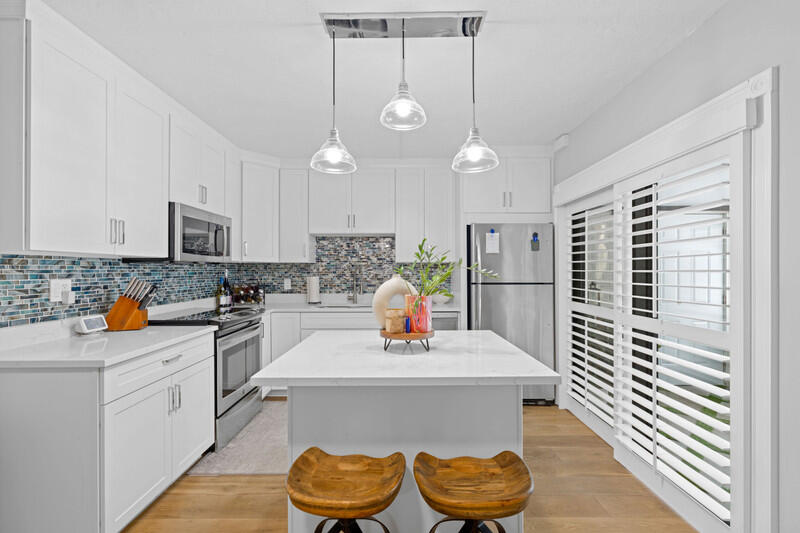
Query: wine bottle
point(220, 296)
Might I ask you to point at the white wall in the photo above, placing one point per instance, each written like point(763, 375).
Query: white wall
point(743, 38)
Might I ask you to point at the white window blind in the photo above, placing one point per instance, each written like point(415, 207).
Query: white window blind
point(592, 364)
point(591, 261)
point(672, 394)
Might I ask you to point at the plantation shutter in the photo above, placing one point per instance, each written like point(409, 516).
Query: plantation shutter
point(591, 350)
point(672, 297)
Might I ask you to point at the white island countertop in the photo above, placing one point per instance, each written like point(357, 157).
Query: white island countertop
point(104, 349)
point(330, 358)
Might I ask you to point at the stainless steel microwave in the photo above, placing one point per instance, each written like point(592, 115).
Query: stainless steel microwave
point(197, 235)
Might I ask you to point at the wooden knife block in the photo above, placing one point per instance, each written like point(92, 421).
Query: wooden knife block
point(125, 315)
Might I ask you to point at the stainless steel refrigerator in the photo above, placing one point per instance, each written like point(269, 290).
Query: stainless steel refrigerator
point(519, 304)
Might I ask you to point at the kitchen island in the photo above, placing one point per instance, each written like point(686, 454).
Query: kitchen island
point(347, 395)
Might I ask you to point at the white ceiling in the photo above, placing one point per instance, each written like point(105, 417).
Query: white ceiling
point(259, 70)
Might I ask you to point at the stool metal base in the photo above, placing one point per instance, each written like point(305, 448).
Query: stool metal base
point(424, 342)
point(470, 526)
point(348, 525)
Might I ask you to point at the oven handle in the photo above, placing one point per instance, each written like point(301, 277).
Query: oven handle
point(239, 336)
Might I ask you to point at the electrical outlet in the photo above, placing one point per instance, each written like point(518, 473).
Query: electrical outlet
point(287, 284)
point(57, 287)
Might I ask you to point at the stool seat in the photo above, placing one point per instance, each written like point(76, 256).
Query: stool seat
point(472, 488)
point(344, 486)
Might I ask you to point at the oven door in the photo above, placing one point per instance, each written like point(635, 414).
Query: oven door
point(197, 235)
point(238, 358)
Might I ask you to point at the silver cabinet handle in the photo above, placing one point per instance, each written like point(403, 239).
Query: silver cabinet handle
point(510, 201)
point(348, 221)
point(205, 194)
point(354, 220)
point(171, 359)
point(170, 399)
point(122, 231)
point(112, 230)
point(180, 400)
point(244, 248)
point(504, 198)
point(200, 193)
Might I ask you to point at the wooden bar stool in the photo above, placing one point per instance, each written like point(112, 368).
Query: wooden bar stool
point(344, 488)
point(472, 490)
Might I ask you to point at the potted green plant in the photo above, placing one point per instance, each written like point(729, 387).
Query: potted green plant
point(433, 269)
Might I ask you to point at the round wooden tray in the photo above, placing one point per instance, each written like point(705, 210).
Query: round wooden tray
point(407, 337)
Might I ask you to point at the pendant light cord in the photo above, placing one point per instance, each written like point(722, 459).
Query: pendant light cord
point(333, 39)
point(403, 41)
point(474, 117)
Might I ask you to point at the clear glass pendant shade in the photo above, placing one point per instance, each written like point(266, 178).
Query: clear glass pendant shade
point(403, 112)
point(333, 157)
point(475, 155)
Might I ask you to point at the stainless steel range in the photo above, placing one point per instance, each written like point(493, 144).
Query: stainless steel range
point(238, 356)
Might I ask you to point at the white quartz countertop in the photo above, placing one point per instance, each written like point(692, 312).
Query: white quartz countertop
point(357, 358)
point(104, 349)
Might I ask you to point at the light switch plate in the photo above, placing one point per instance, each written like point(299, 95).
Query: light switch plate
point(287, 284)
point(58, 286)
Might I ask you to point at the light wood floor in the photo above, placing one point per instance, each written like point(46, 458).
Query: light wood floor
point(578, 487)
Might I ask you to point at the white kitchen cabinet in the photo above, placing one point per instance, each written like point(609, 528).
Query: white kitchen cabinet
point(192, 414)
point(328, 203)
point(293, 226)
point(197, 165)
point(425, 210)
point(138, 452)
point(71, 83)
point(285, 333)
point(372, 201)
point(233, 200)
point(518, 185)
point(139, 183)
point(529, 189)
point(260, 212)
point(360, 203)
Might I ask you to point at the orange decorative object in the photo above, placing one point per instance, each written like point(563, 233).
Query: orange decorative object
point(418, 309)
point(126, 315)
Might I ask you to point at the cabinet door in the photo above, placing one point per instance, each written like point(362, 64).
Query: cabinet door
point(285, 333)
point(185, 162)
point(233, 201)
point(136, 452)
point(213, 177)
point(260, 189)
point(485, 192)
point(440, 210)
point(294, 238)
point(138, 188)
point(328, 203)
point(410, 201)
point(193, 417)
point(529, 185)
point(372, 201)
point(69, 103)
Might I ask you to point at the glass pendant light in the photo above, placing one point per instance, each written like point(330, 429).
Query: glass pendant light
point(474, 155)
point(333, 157)
point(403, 112)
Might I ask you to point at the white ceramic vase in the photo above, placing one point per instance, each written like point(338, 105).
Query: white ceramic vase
point(380, 301)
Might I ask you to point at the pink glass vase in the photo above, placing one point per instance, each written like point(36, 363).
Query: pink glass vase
point(418, 309)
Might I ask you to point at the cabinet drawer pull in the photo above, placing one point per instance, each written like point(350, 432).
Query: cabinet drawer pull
point(121, 225)
point(180, 400)
point(510, 201)
point(171, 359)
point(112, 231)
point(170, 399)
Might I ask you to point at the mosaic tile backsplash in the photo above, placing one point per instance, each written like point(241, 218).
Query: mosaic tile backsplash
point(97, 282)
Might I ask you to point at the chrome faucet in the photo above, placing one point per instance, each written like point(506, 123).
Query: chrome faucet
point(355, 271)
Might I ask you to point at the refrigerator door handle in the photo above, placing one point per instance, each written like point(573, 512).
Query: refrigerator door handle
point(478, 308)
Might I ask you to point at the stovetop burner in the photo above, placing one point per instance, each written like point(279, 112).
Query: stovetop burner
point(200, 318)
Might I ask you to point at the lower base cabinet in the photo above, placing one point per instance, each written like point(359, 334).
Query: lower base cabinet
point(95, 450)
point(152, 436)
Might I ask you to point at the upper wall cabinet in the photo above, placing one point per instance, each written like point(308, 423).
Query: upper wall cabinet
point(233, 199)
point(425, 210)
point(138, 188)
point(294, 240)
point(197, 166)
point(518, 185)
point(359, 203)
point(260, 212)
point(71, 86)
